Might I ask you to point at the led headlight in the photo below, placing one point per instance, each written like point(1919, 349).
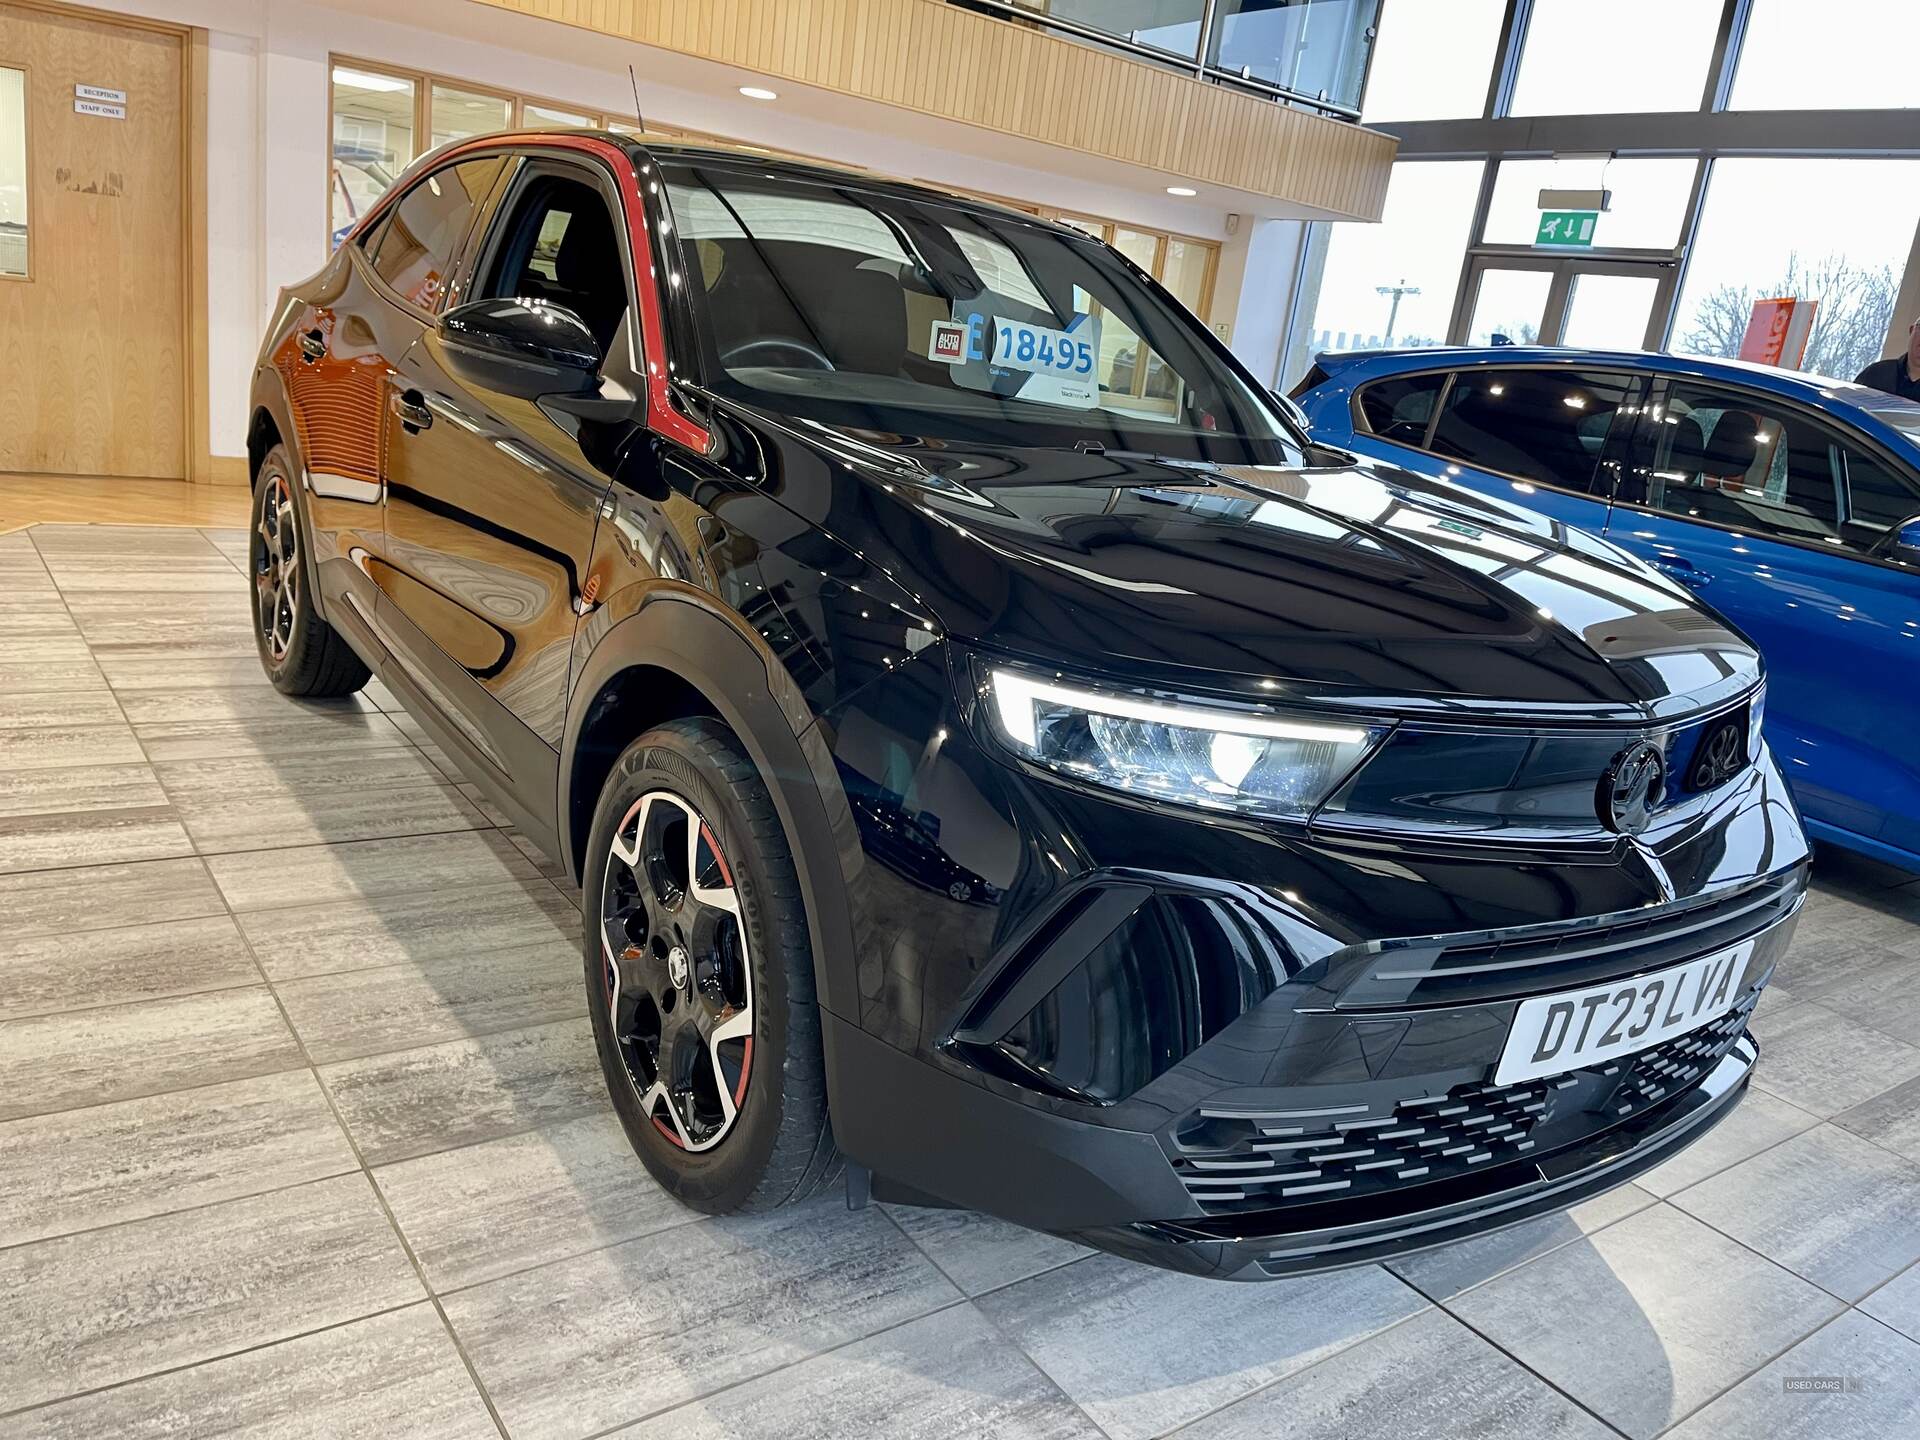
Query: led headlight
point(1251, 762)
point(1756, 712)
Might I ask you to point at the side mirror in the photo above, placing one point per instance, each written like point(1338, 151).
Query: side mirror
point(1902, 542)
point(525, 348)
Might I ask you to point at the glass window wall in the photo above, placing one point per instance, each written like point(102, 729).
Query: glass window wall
point(1393, 283)
point(1649, 199)
point(1836, 231)
point(455, 113)
point(1407, 82)
point(1851, 56)
point(373, 140)
point(536, 116)
point(1622, 57)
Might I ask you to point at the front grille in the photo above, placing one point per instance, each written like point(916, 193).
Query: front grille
point(1508, 964)
point(1236, 1162)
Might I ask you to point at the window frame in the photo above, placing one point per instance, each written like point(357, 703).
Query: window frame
point(1812, 414)
point(529, 164)
point(1616, 438)
point(458, 271)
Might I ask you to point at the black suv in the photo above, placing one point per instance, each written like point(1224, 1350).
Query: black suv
point(1042, 778)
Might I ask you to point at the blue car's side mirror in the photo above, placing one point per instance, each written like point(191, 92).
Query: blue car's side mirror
point(1901, 542)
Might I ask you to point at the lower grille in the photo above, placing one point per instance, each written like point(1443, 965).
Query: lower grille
point(1237, 1163)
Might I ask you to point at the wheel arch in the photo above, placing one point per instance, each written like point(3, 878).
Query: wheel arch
point(675, 657)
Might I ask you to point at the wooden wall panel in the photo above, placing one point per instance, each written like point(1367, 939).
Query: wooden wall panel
point(927, 56)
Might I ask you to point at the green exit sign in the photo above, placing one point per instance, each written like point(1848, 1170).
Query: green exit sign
point(1566, 228)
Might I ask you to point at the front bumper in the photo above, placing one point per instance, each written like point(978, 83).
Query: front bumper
point(1151, 1007)
point(1203, 1174)
point(1492, 1199)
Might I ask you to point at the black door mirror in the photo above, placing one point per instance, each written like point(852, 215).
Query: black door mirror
point(524, 348)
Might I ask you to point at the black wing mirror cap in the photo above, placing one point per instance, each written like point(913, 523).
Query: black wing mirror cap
point(525, 348)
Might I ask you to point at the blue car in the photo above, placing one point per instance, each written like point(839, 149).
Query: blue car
point(1790, 503)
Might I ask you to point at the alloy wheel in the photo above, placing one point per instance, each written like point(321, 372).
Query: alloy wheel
point(679, 988)
point(276, 567)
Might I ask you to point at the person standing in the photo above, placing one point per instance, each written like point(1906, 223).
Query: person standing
point(1900, 375)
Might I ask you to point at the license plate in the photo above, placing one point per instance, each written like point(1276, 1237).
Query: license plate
point(1555, 1033)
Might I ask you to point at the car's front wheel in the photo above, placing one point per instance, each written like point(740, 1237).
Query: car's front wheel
point(700, 975)
point(302, 654)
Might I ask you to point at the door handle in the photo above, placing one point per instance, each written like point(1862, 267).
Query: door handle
point(313, 347)
point(1685, 571)
point(411, 408)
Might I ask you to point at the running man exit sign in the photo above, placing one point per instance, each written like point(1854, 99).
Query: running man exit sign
point(1566, 228)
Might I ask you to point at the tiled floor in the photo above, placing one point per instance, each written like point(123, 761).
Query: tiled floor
point(301, 1133)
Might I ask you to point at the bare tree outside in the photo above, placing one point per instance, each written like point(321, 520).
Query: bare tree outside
point(1849, 328)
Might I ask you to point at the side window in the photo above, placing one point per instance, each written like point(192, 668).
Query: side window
point(413, 248)
point(558, 243)
point(1398, 408)
point(1545, 425)
point(1878, 497)
point(1734, 459)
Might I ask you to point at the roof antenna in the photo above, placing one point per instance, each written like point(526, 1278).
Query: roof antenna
point(636, 99)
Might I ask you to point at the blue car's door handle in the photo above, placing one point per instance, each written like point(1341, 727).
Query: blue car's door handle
point(1685, 571)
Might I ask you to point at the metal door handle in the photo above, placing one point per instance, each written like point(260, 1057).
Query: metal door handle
point(411, 408)
point(1685, 571)
point(313, 346)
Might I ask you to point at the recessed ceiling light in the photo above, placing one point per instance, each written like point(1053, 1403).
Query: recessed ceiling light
point(1182, 190)
point(758, 92)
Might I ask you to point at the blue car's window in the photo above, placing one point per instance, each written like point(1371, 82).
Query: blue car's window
point(1399, 407)
point(1878, 497)
point(1544, 425)
point(1734, 459)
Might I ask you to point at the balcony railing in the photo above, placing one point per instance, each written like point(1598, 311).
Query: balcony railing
point(1309, 53)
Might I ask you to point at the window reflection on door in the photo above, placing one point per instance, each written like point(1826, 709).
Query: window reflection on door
point(1509, 306)
point(1608, 312)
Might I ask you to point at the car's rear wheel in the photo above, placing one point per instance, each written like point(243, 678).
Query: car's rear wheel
point(302, 654)
point(701, 975)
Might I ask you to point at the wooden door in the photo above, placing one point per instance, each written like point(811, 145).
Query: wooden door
point(92, 337)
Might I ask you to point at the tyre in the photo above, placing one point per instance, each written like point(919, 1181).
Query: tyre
point(700, 975)
point(302, 654)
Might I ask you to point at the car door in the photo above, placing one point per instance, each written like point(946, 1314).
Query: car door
point(1741, 496)
point(1534, 436)
point(492, 499)
point(342, 353)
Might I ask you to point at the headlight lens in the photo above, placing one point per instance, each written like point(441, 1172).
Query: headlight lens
point(1228, 760)
point(1756, 712)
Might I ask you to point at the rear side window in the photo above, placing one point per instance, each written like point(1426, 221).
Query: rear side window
point(1400, 407)
point(414, 247)
point(1548, 426)
point(1740, 460)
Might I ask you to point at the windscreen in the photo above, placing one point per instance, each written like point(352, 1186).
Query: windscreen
point(875, 310)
